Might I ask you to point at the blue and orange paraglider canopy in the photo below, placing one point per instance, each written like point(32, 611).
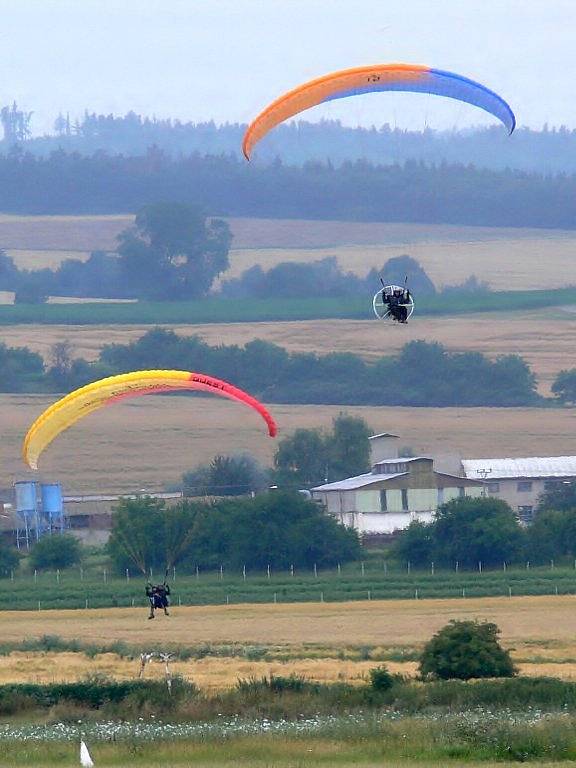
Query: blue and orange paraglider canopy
point(370, 79)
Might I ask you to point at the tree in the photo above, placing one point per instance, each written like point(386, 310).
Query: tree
point(561, 497)
point(146, 534)
point(9, 560)
point(301, 459)
point(415, 544)
point(279, 529)
point(564, 386)
point(396, 269)
point(464, 650)
point(173, 252)
point(349, 446)
point(473, 530)
point(61, 364)
point(57, 551)
point(310, 457)
point(225, 476)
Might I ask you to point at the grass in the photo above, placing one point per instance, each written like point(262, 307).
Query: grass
point(262, 310)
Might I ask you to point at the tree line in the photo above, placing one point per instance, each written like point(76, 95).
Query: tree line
point(421, 374)
point(475, 532)
point(70, 183)
point(547, 150)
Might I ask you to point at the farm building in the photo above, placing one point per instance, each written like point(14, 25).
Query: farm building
point(394, 493)
point(520, 482)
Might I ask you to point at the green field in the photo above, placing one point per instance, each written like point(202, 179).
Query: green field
point(372, 581)
point(237, 310)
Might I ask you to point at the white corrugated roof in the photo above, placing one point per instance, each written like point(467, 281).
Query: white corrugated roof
point(351, 483)
point(547, 466)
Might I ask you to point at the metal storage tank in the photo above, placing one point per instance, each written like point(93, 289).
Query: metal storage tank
point(26, 497)
point(51, 495)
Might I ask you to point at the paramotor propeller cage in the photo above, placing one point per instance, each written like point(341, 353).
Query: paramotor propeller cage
point(382, 308)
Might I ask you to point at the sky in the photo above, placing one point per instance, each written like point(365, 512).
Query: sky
point(225, 60)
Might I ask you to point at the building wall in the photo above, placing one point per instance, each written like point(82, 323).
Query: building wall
point(361, 509)
point(522, 494)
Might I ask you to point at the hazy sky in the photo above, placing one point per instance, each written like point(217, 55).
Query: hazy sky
point(225, 59)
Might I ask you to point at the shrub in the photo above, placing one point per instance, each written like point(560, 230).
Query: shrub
point(381, 679)
point(464, 650)
point(59, 551)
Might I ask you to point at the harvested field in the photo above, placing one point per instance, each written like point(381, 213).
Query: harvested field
point(148, 443)
point(525, 622)
point(544, 338)
point(513, 263)
point(504, 258)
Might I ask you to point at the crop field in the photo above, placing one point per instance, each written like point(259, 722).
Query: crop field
point(506, 259)
point(544, 338)
point(319, 641)
point(150, 442)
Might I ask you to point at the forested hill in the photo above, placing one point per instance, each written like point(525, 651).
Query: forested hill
point(224, 185)
point(546, 151)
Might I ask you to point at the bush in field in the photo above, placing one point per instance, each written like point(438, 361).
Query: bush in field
point(381, 679)
point(59, 551)
point(464, 650)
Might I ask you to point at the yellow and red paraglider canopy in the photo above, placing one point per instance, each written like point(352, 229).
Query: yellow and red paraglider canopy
point(85, 400)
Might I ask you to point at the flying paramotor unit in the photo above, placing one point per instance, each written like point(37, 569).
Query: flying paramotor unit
point(67, 411)
point(370, 79)
point(393, 303)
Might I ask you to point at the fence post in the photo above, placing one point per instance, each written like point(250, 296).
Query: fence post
point(132, 602)
point(556, 590)
point(197, 572)
point(57, 575)
point(244, 572)
point(315, 571)
point(340, 569)
point(457, 565)
point(509, 591)
point(39, 605)
point(173, 573)
point(292, 570)
point(35, 576)
point(275, 597)
point(268, 571)
point(221, 572)
point(463, 592)
point(362, 567)
point(551, 565)
point(385, 568)
point(227, 599)
point(86, 603)
point(81, 574)
point(528, 564)
point(415, 594)
point(408, 566)
point(479, 566)
point(369, 595)
point(321, 597)
point(105, 575)
point(127, 575)
point(504, 565)
point(432, 568)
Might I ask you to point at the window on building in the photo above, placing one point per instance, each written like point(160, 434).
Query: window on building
point(493, 487)
point(524, 486)
point(526, 514)
point(404, 499)
point(383, 502)
point(461, 492)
